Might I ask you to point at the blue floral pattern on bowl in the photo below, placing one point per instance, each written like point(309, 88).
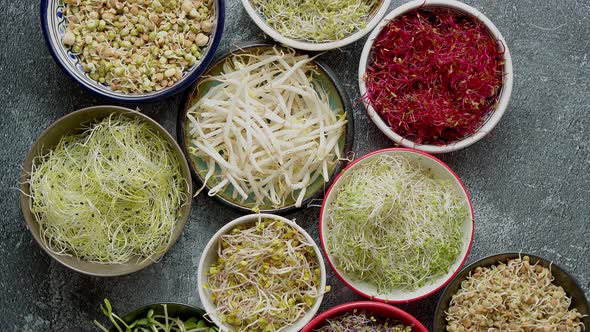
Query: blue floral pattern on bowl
point(54, 24)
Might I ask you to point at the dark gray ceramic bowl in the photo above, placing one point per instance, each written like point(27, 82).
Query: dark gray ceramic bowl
point(70, 124)
point(339, 102)
point(175, 310)
point(562, 279)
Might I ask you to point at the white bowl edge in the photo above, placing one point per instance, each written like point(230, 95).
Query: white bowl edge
point(494, 117)
point(398, 296)
point(307, 46)
point(209, 254)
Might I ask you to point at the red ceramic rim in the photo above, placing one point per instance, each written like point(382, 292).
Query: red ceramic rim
point(378, 308)
point(322, 242)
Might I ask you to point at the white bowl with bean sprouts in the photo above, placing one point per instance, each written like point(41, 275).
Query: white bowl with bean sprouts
point(261, 272)
point(318, 25)
point(396, 225)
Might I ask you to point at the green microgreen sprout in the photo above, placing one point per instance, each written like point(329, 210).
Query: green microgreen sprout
point(108, 194)
point(316, 21)
point(394, 225)
point(266, 276)
point(154, 323)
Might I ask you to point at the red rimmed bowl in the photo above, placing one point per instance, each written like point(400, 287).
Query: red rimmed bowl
point(375, 308)
point(439, 170)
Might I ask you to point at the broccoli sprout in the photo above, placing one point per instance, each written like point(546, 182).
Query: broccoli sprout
point(394, 225)
point(316, 21)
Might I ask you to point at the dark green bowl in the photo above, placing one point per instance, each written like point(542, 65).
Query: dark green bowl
point(339, 103)
point(175, 310)
point(562, 278)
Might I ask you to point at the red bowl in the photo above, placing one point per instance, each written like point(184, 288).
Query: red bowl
point(376, 308)
point(439, 169)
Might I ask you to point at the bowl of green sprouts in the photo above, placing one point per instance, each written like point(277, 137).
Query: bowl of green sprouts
point(261, 272)
point(316, 25)
point(157, 317)
point(396, 225)
point(105, 191)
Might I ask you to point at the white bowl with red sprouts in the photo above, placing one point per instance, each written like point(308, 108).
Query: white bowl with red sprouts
point(261, 271)
point(396, 225)
point(435, 75)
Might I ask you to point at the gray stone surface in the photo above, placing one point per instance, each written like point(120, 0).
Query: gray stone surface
point(529, 179)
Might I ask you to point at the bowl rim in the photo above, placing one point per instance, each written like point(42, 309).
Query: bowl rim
point(24, 188)
point(462, 259)
point(395, 312)
point(137, 310)
point(309, 46)
point(205, 301)
point(136, 98)
point(502, 257)
point(492, 118)
point(342, 95)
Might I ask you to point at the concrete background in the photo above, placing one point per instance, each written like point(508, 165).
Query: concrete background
point(529, 180)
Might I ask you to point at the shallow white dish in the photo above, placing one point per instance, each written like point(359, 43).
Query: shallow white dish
point(503, 99)
point(309, 46)
point(439, 170)
point(210, 255)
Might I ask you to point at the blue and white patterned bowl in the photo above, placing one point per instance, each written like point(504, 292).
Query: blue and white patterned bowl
point(54, 26)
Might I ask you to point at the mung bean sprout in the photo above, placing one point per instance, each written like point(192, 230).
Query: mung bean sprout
point(265, 129)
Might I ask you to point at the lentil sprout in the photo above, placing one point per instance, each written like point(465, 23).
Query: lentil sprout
point(361, 321)
point(316, 20)
point(137, 46)
point(266, 276)
point(518, 297)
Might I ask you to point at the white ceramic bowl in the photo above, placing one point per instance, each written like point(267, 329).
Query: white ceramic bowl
point(493, 117)
point(440, 171)
point(209, 256)
point(309, 46)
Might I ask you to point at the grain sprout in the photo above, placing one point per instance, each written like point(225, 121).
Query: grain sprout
point(137, 46)
point(394, 225)
point(266, 127)
point(266, 276)
point(108, 194)
point(316, 21)
point(517, 296)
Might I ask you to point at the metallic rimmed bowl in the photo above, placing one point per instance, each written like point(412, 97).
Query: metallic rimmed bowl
point(339, 102)
point(209, 257)
point(71, 124)
point(503, 98)
point(374, 18)
point(174, 309)
point(562, 278)
point(438, 170)
point(54, 26)
point(375, 308)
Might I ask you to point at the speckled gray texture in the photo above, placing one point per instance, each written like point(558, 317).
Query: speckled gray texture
point(529, 179)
